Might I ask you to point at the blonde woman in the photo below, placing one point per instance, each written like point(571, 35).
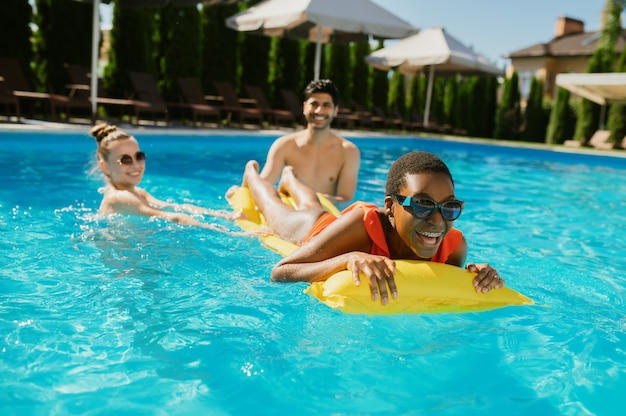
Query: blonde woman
point(123, 164)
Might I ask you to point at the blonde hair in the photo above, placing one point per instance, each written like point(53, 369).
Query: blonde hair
point(104, 135)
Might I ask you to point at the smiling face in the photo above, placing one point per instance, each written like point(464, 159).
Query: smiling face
point(319, 110)
point(120, 175)
point(422, 236)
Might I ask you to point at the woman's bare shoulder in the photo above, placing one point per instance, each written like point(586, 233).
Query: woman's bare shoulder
point(122, 200)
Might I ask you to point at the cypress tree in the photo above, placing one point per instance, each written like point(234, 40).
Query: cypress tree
point(275, 68)
point(589, 112)
point(560, 119)
point(63, 37)
point(449, 101)
point(255, 55)
point(221, 59)
point(508, 114)
point(417, 96)
point(396, 97)
point(534, 116)
point(488, 96)
point(309, 61)
point(180, 45)
point(410, 98)
point(436, 102)
point(380, 85)
point(361, 89)
point(617, 112)
point(466, 111)
point(602, 60)
point(15, 18)
point(339, 69)
point(288, 67)
point(132, 47)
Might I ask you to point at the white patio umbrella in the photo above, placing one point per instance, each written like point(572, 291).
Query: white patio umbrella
point(318, 20)
point(95, 35)
point(432, 47)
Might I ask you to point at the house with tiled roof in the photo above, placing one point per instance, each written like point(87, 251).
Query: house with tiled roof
point(568, 52)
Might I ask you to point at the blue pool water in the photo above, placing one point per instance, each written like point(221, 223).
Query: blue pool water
point(131, 316)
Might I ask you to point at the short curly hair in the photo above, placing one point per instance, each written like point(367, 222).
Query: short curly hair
point(322, 86)
point(411, 164)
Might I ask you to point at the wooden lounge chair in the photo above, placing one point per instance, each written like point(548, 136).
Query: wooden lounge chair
point(80, 87)
point(293, 104)
point(415, 122)
point(194, 100)
point(233, 106)
point(399, 119)
point(388, 122)
point(14, 83)
point(274, 115)
point(9, 101)
point(147, 97)
point(366, 118)
point(346, 118)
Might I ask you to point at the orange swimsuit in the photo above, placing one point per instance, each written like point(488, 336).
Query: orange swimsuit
point(374, 228)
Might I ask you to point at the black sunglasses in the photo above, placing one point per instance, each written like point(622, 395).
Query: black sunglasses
point(424, 208)
point(128, 160)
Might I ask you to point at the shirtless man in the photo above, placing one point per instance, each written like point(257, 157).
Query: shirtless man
point(320, 159)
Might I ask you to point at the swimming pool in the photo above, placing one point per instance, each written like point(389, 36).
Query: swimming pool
point(130, 316)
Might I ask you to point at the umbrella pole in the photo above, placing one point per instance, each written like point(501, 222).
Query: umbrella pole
point(95, 41)
point(318, 53)
point(429, 93)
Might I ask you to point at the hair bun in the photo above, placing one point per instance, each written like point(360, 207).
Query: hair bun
point(101, 131)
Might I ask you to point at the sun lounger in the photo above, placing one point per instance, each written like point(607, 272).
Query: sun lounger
point(293, 104)
point(415, 122)
point(274, 115)
point(15, 84)
point(389, 122)
point(194, 100)
point(366, 118)
point(9, 101)
point(346, 118)
point(233, 106)
point(80, 86)
point(147, 97)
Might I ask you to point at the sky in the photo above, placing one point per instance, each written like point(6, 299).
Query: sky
point(496, 27)
point(490, 27)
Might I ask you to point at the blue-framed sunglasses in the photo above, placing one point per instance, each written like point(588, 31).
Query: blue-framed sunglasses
point(424, 208)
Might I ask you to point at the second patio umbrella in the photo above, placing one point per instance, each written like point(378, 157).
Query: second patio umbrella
point(431, 48)
point(319, 20)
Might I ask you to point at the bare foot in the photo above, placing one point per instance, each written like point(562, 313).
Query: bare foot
point(252, 164)
point(231, 191)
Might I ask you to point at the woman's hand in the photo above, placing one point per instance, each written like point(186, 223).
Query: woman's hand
point(487, 277)
point(379, 272)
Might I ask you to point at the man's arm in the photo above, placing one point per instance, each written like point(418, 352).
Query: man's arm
point(275, 160)
point(347, 182)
